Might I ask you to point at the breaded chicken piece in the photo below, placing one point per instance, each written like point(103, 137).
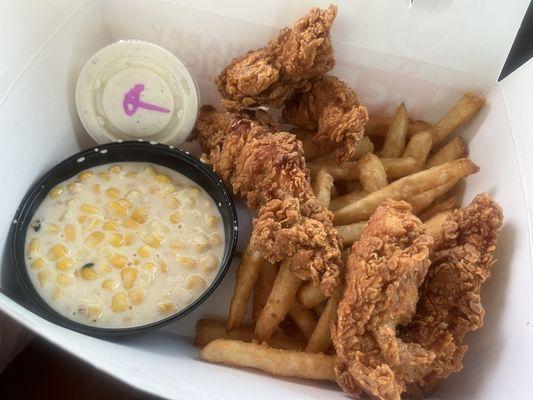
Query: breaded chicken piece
point(270, 75)
point(450, 303)
point(302, 233)
point(331, 109)
point(383, 273)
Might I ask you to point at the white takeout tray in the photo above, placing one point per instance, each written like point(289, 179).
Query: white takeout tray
point(425, 53)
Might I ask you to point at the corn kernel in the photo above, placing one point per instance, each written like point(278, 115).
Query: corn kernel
point(145, 278)
point(176, 203)
point(187, 262)
point(128, 275)
point(57, 293)
point(128, 239)
point(120, 302)
point(170, 189)
point(144, 251)
point(35, 247)
point(104, 268)
point(137, 296)
point(166, 307)
point(114, 193)
point(194, 191)
point(38, 263)
point(136, 261)
point(196, 282)
point(215, 239)
point(110, 284)
point(149, 170)
point(150, 267)
point(97, 188)
point(94, 239)
point(57, 251)
point(200, 245)
point(84, 176)
point(89, 224)
point(64, 264)
point(153, 241)
point(177, 244)
point(110, 226)
point(117, 209)
point(88, 208)
point(116, 169)
point(162, 179)
point(52, 228)
point(174, 218)
point(82, 219)
point(209, 263)
point(153, 190)
point(132, 174)
point(212, 221)
point(94, 312)
point(104, 175)
point(70, 233)
point(139, 214)
point(115, 239)
point(163, 266)
point(125, 203)
point(75, 187)
point(56, 192)
point(64, 279)
point(192, 202)
point(118, 260)
point(43, 276)
point(130, 223)
point(88, 273)
point(133, 195)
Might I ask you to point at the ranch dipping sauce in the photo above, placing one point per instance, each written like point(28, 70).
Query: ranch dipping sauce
point(124, 244)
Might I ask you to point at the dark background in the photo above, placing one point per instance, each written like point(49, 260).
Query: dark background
point(42, 371)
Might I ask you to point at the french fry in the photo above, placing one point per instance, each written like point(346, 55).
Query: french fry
point(352, 186)
point(247, 273)
point(438, 207)
point(395, 139)
point(263, 287)
point(322, 185)
point(334, 192)
point(454, 150)
point(320, 340)
point(372, 174)
point(419, 147)
point(434, 224)
point(423, 200)
point(350, 233)
point(461, 113)
point(363, 146)
point(279, 302)
point(309, 295)
point(274, 361)
point(377, 126)
point(342, 201)
point(347, 171)
point(303, 318)
point(405, 189)
point(208, 330)
point(399, 167)
point(417, 126)
point(319, 308)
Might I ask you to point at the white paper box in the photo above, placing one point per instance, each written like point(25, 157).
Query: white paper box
point(425, 54)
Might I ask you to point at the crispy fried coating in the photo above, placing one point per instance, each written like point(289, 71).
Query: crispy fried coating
point(270, 75)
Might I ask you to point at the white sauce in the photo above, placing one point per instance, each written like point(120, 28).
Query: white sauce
point(150, 238)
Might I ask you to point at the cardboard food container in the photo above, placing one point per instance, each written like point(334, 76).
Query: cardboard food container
point(425, 53)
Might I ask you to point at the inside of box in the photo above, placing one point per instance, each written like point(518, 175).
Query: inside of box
point(41, 128)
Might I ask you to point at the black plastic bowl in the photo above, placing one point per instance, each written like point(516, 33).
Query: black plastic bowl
point(160, 154)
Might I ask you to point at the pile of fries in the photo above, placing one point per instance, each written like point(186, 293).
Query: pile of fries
point(397, 159)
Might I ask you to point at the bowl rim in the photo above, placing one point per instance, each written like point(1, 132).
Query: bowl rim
point(89, 158)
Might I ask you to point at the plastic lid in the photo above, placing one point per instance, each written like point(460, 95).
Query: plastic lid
point(136, 90)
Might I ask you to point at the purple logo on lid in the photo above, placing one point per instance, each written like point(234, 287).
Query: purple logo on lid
point(132, 101)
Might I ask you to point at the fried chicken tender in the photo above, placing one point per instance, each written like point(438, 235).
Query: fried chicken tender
point(383, 273)
point(450, 303)
point(331, 109)
point(267, 168)
point(270, 75)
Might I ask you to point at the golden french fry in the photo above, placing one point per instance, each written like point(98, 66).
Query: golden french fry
point(247, 273)
point(309, 295)
point(423, 200)
point(279, 302)
point(347, 171)
point(263, 287)
point(417, 126)
point(351, 186)
point(405, 189)
point(342, 201)
point(461, 113)
point(322, 185)
point(320, 340)
point(363, 146)
point(377, 126)
point(399, 167)
point(438, 207)
point(303, 318)
point(334, 192)
point(208, 330)
point(454, 150)
point(350, 233)
point(419, 147)
point(277, 362)
point(395, 139)
point(372, 174)
point(434, 224)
